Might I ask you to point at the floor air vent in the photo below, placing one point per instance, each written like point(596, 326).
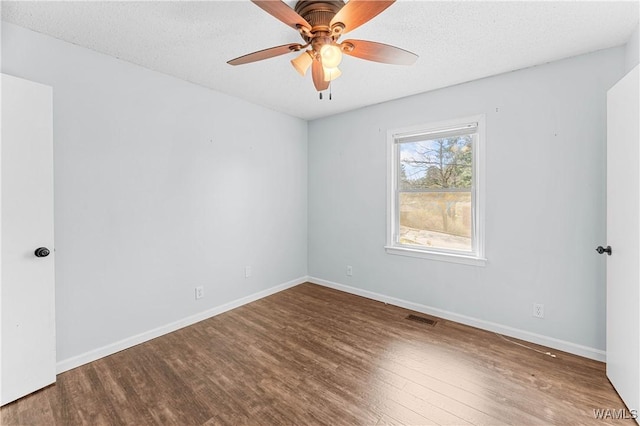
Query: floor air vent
point(423, 320)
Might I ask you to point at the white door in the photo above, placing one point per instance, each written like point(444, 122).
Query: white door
point(623, 235)
point(27, 292)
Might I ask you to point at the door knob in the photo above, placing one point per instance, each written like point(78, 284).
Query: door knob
point(601, 250)
point(42, 252)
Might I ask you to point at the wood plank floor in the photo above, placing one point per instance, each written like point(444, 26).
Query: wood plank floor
point(313, 355)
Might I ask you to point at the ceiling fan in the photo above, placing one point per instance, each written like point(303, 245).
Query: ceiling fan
point(321, 23)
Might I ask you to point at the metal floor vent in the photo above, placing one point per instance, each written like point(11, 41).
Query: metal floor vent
point(423, 320)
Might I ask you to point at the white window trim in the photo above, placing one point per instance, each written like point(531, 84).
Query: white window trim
point(477, 258)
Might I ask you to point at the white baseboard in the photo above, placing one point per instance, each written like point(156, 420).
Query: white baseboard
point(129, 342)
point(95, 354)
point(551, 342)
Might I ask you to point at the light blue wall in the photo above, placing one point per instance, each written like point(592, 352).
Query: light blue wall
point(632, 50)
point(160, 186)
point(545, 200)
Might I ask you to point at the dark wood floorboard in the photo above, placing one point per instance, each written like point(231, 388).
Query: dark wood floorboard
point(313, 355)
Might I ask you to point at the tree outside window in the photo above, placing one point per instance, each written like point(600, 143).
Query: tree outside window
point(435, 192)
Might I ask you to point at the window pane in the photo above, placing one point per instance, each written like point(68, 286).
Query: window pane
point(436, 163)
point(436, 219)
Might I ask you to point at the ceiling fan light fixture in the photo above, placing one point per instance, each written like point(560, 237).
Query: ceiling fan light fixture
point(321, 23)
point(331, 74)
point(331, 55)
point(302, 62)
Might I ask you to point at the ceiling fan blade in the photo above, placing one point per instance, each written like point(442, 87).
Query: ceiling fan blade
point(379, 52)
point(358, 12)
point(317, 71)
point(279, 9)
point(265, 54)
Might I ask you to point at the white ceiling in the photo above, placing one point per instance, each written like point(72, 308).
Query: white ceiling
point(456, 42)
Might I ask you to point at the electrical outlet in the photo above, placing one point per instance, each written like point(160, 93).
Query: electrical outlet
point(248, 270)
point(199, 292)
point(349, 270)
point(538, 310)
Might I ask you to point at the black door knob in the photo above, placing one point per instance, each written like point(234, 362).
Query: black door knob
point(42, 252)
point(601, 250)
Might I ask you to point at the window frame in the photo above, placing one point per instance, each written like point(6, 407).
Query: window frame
point(477, 256)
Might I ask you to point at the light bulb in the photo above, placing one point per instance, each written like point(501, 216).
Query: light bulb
point(302, 62)
point(331, 55)
point(331, 74)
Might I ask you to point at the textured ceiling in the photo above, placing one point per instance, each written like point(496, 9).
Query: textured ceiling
point(456, 42)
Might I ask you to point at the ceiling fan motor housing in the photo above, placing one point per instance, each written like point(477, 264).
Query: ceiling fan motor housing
point(319, 15)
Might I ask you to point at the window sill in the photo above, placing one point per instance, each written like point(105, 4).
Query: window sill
point(444, 257)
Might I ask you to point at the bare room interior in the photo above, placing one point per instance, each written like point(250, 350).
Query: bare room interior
point(320, 212)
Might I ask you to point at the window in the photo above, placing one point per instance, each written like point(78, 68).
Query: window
point(434, 198)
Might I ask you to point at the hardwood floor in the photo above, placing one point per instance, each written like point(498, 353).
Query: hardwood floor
point(313, 355)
